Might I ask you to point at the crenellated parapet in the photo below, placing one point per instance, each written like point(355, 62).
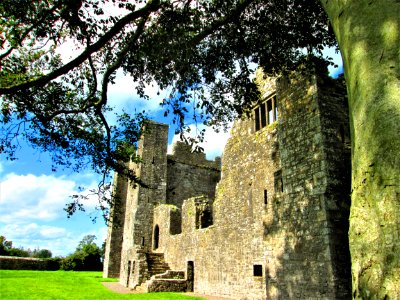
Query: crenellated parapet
point(183, 153)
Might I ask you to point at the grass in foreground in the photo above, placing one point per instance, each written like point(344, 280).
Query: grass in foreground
point(59, 285)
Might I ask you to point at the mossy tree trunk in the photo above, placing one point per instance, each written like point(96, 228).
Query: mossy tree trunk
point(368, 33)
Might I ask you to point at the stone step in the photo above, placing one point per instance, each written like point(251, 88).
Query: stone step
point(166, 285)
point(171, 275)
point(156, 263)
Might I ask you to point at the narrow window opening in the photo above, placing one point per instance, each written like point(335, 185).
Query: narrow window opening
point(257, 118)
point(142, 241)
point(129, 273)
point(342, 136)
point(263, 116)
point(270, 112)
point(278, 182)
point(190, 276)
point(156, 237)
point(265, 197)
point(257, 271)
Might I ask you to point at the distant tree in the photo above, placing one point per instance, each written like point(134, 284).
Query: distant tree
point(87, 256)
point(19, 252)
point(5, 246)
point(42, 253)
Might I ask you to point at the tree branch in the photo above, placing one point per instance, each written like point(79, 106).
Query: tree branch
point(42, 81)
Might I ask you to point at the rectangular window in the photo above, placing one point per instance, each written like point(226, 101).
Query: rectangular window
point(263, 116)
point(257, 271)
point(265, 197)
point(257, 118)
point(266, 113)
point(278, 182)
point(270, 112)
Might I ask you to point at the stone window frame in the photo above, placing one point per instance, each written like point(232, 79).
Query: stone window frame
point(266, 113)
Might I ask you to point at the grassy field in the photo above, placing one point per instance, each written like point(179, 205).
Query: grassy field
point(59, 285)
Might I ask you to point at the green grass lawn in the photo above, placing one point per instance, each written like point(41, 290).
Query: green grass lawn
point(58, 285)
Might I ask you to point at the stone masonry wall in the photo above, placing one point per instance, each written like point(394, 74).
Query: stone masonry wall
point(280, 208)
point(190, 174)
point(225, 254)
point(112, 255)
point(279, 218)
point(307, 267)
point(141, 200)
point(29, 263)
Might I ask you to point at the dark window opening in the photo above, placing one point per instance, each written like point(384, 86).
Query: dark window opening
point(257, 271)
point(190, 276)
point(342, 135)
point(175, 226)
point(265, 197)
point(156, 237)
point(278, 182)
point(204, 219)
point(142, 241)
point(266, 113)
point(263, 116)
point(257, 118)
point(129, 273)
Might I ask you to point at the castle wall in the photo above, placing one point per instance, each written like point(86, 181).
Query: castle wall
point(281, 207)
point(112, 255)
point(277, 228)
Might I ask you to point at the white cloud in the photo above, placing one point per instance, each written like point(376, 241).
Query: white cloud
point(33, 197)
point(60, 241)
point(122, 94)
point(214, 142)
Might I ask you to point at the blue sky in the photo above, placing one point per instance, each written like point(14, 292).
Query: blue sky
point(32, 197)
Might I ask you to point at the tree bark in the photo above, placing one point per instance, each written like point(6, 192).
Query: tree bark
point(368, 33)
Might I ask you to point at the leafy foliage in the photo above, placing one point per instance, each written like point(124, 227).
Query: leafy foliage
point(7, 249)
point(205, 51)
point(5, 246)
point(87, 256)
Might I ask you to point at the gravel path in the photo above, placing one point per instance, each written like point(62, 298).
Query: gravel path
point(118, 288)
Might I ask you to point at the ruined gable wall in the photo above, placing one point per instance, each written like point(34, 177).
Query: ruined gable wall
point(190, 174)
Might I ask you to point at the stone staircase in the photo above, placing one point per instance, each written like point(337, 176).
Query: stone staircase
point(163, 279)
point(156, 263)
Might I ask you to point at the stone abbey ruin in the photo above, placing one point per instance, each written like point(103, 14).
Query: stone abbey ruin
point(269, 221)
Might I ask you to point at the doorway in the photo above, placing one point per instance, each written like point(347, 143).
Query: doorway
point(190, 276)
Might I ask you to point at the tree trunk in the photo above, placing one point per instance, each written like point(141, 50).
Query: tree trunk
point(368, 33)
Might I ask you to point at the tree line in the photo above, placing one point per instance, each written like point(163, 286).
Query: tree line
point(87, 256)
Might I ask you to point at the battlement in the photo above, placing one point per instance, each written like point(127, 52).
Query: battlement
point(183, 153)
